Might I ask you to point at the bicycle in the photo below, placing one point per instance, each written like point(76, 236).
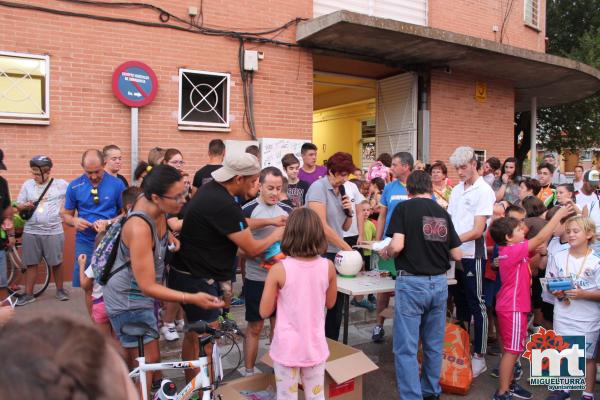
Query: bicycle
point(16, 272)
point(200, 382)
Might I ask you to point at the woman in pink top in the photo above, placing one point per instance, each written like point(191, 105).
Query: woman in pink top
point(300, 287)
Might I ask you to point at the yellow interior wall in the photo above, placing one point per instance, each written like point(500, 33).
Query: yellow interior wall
point(339, 129)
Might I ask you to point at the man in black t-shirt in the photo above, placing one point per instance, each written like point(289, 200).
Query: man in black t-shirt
point(8, 231)
point(423, 241)
point(216, 152)
point(213, 230)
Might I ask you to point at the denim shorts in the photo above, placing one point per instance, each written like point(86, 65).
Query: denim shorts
point(3, 270)
point(145, 315)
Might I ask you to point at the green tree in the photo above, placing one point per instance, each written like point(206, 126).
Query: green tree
point(573, 31)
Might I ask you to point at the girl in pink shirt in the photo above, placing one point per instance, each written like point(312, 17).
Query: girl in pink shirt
point(300, 287)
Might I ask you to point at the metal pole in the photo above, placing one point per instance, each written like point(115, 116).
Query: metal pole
point(424, 117)
point(533, 153)
point(134, 141)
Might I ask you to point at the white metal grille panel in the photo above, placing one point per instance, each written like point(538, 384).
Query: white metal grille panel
point(411, 11)
point(396, 128)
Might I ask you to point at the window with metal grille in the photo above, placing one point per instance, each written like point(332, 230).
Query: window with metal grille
point(480, 156)
point(532, 12)
point(24, 87)
point(203, 99)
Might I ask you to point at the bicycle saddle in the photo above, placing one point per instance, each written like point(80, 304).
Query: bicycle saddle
point(139, 329)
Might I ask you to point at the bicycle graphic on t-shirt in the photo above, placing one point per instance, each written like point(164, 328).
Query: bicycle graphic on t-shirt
point(435, 229)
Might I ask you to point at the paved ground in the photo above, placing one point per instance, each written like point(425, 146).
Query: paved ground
point(379, 384)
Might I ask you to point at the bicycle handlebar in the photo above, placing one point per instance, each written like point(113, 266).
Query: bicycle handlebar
point(202, 327)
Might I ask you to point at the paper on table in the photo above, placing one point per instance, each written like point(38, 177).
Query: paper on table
point(378, 246)
point(363, 246)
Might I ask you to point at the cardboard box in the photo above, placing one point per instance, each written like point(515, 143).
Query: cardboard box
point(343, 371)
point(388, 312)
point(232, 390)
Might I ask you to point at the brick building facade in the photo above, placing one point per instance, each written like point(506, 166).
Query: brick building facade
point(83, 54)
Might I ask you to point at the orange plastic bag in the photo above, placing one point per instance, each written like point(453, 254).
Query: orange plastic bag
point(456, 376)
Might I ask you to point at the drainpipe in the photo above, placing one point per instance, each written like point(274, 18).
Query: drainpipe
point(424, 117)
point(533, 129)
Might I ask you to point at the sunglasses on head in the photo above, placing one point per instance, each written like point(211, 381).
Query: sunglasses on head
point(95, 196)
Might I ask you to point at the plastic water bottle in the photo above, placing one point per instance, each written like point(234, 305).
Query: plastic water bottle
point(167, 390)
point(374, 262)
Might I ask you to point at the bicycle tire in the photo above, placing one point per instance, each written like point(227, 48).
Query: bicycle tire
point(15, 267)
point(40, 288)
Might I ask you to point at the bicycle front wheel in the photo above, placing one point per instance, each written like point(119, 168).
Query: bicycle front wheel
point(14, 266)
point(43, 278)
point(16, 274)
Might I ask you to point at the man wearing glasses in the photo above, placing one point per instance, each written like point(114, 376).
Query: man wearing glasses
point(93, 200)
point(42, 198)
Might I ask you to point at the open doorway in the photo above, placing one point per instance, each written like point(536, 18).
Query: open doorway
point(364, 116)
point(344, 111)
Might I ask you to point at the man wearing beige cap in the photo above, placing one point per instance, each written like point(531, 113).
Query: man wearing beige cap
point(213, 230)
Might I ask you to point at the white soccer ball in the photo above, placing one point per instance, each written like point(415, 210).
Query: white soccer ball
point(348, 263)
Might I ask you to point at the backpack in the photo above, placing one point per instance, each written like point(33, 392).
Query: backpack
point(105, 254)
point(378, 170)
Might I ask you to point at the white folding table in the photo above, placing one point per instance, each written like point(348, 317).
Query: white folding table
point(362, 284)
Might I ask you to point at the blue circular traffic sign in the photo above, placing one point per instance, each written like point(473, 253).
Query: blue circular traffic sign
point(134, 84)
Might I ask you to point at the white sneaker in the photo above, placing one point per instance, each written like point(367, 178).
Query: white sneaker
point(179, 324)
point(242, 370)
point(169, 332)
point(478, 365)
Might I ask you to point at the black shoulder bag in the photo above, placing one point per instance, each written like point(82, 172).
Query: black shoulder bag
point(28, 213)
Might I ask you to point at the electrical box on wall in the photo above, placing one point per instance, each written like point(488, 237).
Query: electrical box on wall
point(250, 60)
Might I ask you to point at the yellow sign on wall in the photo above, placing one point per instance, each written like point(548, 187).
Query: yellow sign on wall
point(481, 91)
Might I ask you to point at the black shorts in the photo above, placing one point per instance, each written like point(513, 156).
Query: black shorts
point(351, 240)
point(536, 293)
point(191, 284)
point(548, 311)
point(366, 260)
point(253, 291)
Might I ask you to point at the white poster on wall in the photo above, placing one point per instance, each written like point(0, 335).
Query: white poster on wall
point(238, 146)
point(272, 150)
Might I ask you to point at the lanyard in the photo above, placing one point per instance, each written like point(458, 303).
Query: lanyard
point(582, 264)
